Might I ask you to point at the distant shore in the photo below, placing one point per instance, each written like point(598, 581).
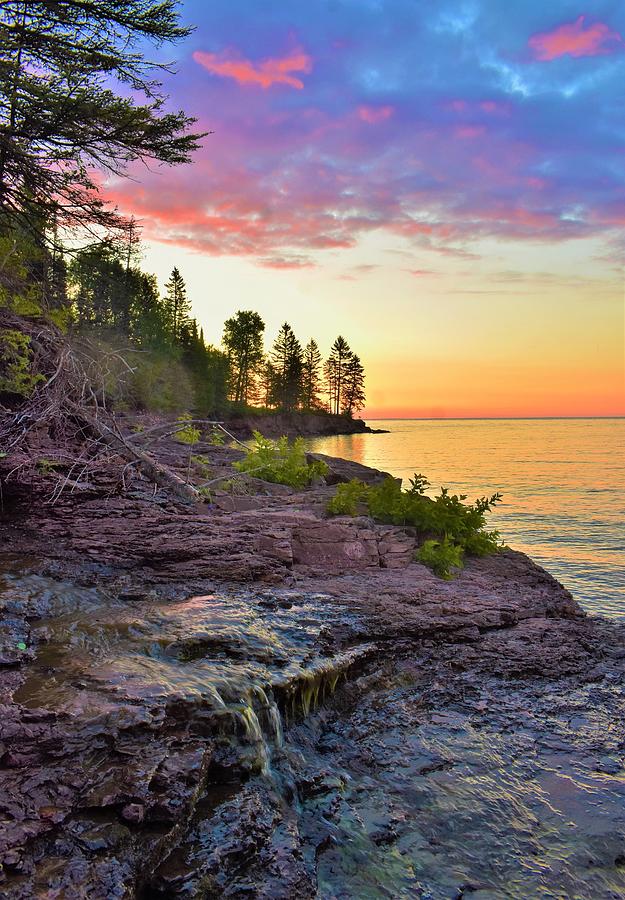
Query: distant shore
point(272, 424)
point(295, 424)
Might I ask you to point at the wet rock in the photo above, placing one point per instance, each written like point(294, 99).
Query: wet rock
point(134, 596)
point(133, 812)
point(172, 707)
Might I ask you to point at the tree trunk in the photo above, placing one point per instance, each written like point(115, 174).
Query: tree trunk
point(161, 475)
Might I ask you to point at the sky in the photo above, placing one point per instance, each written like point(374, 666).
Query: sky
point(443, 183)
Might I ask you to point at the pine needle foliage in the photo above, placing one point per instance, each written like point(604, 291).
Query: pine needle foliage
point(78, 95)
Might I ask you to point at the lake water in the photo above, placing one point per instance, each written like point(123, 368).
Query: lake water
point(563, 482)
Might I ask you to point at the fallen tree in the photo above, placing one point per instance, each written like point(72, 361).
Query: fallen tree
point(65, 394)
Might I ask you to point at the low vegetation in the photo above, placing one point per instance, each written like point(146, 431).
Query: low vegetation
point(442, 557)
point(187, 432)
point(450, 526)
point(16, 376)
point(281, 462)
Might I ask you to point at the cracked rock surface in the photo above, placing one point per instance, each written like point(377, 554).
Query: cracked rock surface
point(246, 699)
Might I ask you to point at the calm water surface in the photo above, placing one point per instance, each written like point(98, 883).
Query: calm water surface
point(563, 482)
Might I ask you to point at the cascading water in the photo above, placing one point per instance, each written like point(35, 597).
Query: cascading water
point(427, 778)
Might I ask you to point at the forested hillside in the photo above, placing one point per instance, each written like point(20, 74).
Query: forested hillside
point(80, 101)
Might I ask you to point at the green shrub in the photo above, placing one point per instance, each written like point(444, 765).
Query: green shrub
point(280, 462)
point(482, 543)
point(451, 526)
point(347, 497)
point(188, 434)
point(158, 383)
point(216, 438)
point(441, 557)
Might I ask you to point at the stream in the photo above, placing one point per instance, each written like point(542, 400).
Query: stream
point(268, 743)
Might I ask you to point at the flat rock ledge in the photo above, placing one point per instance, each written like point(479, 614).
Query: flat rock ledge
point(98, 791)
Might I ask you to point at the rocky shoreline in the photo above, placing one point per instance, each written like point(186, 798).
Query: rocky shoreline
point(244, 698)
point(294, 424)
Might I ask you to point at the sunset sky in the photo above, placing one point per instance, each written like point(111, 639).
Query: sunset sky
point(441, 182)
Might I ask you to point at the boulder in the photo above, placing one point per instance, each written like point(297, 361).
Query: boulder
point(343, 470)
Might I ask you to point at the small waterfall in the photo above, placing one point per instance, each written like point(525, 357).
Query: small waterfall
point(276, 725)
point(253, 735)
point(261, 725)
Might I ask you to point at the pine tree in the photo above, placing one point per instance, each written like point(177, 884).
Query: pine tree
point(353, 387)
point(311, 376)
point(102, 293)
point(286, 361)
point(266, 383)
point(177, 305)
point(335, 369)
point(208, 368)
point(60, 115)
point(149, 326)
point(243, 340)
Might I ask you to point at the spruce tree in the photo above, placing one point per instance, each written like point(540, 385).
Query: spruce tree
point(177, 304)
point(353, 387)
point(149, 326)
point(78, 95)
point(102, 296)
point(335, 372)
point(208, 369)
point(266, 383)
point(311, 376)
point(287, 363)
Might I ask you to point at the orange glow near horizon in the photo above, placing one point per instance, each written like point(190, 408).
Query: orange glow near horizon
point(444, 346)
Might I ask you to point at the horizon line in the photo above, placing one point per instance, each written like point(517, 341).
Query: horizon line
point(486, 418)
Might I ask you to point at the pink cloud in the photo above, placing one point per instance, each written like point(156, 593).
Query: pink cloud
point(469, 131)
point(611, 215)
point(265, 74)
point(495, 108)
point(436, 193)
point(576, 39)
point(286, 262)
point(375, 114)
point(420, 273)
